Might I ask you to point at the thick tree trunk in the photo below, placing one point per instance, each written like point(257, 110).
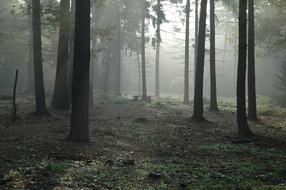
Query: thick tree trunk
point(158, 42)
point(79, 131)
point(243, 128)
point(199, 82)
point(213, 90)
point(252, 108)
point(144, 83)
point(187, 53)
point(60, 99)
point(37, 59)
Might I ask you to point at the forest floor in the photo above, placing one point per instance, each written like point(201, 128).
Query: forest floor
point(142, 146)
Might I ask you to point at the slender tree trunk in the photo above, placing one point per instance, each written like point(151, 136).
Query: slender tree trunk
point(158, 39)
point(252, 108)
point(79, 131)
point(118, 51)
point(37, 59)
point(144, 83)
point(213, 95)
point(243, 128)
point(199, 82)
point(60, 99)
point(187, 53)
point(196, 35)
point(30, 69)
point(107, 62)
point(139, 71)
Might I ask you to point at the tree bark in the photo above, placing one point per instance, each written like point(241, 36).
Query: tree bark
point(37, 59)
point(213, 89)
point(60, 99)
point(252, 108)
point(79, 131)
point(199, 82)
point(158, 42)
point(187, 54)
point(243, 128)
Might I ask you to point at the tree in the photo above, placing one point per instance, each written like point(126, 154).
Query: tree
point(143, 64)
point(160, 17)
point(79, 131)
point(30, 85)
point(118, 52)
point(37, 59)
point(252, 108)
point(198, 97)
point(243, 128)
point(187, 46)
point(213, 90)
point(61, 94)
point(196, 35)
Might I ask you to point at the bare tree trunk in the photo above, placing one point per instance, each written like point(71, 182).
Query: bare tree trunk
point(118, 51)
point(213, 95)
point(252, 108)
point(106, 75)
point(198, 113)
point(60, 99)
point(30, 69)
point(139, 72)
point(196, 35)
point(243, 128)
point(79, 131)
point(144, 83)
point(187, 54)
point(41, 108)
point(158, 39)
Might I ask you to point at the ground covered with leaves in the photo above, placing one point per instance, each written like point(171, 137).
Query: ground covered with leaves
point(142, 146)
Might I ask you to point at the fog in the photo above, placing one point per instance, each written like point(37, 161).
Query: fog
point(15, 49)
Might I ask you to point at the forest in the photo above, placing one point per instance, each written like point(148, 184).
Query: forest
point(142, 94)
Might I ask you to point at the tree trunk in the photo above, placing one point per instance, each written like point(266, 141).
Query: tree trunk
point(107, 63)
point(213, 95)
point(199, 82)
point(144, 83)
point(30, 69)
point(37, 59)
point(196, 35)
point(60, 99)
point(139, 71)
point(243, 128)
point(118, 51)
point(79, 131)
point(187, 53)
point(252, 108)
point(158, 42)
